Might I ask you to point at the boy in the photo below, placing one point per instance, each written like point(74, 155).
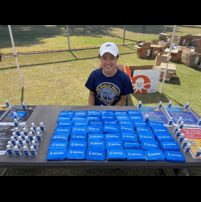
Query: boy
point(108, 85)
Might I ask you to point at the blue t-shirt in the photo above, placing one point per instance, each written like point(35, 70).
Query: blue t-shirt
point(108, 90)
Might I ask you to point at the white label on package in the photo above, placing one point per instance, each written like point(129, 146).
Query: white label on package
point(196, 60)
point(155, 52)
point(148, 52)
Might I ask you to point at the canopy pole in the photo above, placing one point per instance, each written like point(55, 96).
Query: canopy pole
point(173, 34)
point(15, 54)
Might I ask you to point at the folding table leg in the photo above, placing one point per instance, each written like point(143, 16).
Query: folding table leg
point(182, 172)
point(4, 172)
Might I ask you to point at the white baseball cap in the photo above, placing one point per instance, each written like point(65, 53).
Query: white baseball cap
point(109, 47)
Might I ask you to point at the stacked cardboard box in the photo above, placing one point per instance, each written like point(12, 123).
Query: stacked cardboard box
point(144, 49)
point(175, 54)
point(164, 36)
point(161, 57)
point(155, 49)
point(171, 70)
point(196, 43)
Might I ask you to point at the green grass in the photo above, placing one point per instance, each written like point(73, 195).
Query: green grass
point(59, 79)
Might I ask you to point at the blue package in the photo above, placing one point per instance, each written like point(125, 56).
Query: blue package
point(110, 122)
point(78, 136)
point(62, 130)
point(136, 118)
point(146, 137)
point(95, 129)
point(94, 113)
point(80, 123)
point(56, 145)
point(80, 113)
point(56, 155)
point(174, 156)
point(154, 155)
point(130, 137)
point(95, 154)
point(141, 124)
point(110, 129)
point(120, 113)
point(154, 123)
point(128, 123)
point(149, 145)
point(66, 114)
point(95, 123)
point(96, 136)
point(122, 118)
point(116, 154)
point(19, 114)
point(126, 129)
point(112, 136)
point(160, 130)
point(114, 145)
point(65, 124)
point(107, 117)
point(143, 130)
point(60, 137)
point(134, 113)
point(164, 137)
point(169, 145)
point(79, 129)
point(76, 144)
point(96, 144)
point(76, 154)
point(63, 119)
point(79, 118)
point(135, 155)
point(95, 118)
point(131, 145)
point(107, 112)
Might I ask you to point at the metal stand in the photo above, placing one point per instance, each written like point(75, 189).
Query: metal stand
point(4, 172)
point(176, 172)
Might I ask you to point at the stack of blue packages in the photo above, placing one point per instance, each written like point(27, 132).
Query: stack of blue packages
point(162, 134)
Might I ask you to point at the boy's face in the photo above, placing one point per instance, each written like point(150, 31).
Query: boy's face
point(108, 62)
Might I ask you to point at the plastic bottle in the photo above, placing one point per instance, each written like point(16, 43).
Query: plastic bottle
point(198, 152)
point(169, 104)
point(33, 131)
point(178, 133)
point(139, 105)
point(12, 139)
point(181, 138)
point(7, 103)
point(184, 143)
point(186, 106)
point(181, 125)
point(33, 126)
point(31, 136)
point(15, 135)
point(27, 140)
point(39, 136)
point(20, 139)
point(17, 151)
point(16, 123)
point(24, 106)
point(17, 143)
point(35, 143)
point(160, 105)
point(26, 151)
point(33, 151)
point(22, 135)
point(175, 129)
point(170, 123)
point(179, 120)
point(146, 118)
point(187, 148)
point(9, 150)
point(17, 131)
point(42, 126)
point(25, 131)
point(15, 116)
point(11, 144)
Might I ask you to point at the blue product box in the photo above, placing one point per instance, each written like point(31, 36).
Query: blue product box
point(110, 128)
point(63, 119)
point(135, 155)
point(66, 114)
point(76, 154)
point(107, 117)
point(120, 113)
point(107, 112)
point(134, 113)
point(155, 124)
point(79, 118)
point(116, 154)
point(93, 118)
point(96, 136)
point(131, 145)
point(136, 118)
point(96, 144)
point(80, 123)
point(94, 113)
point(141, 124)
point(110, 122)
point(60, 137)
point(174, 156)
point(129, 137)
point(154, 155)
point(114, 145)
point(128, 123)
point(95, 123)
point(78, 136)
point(146, 137)
point(79, 129)
point(95, 129)
point(143, 130)
point(169, 145)
point(160, 130)
point(56, 155)
point(76, 144)
point(19, 114)
point(122, 118)
point(95, 154)
point(65, 124)
point(62, 130)
point(56, 145)
point(126, 129)
point(80, 113)
point(112, 136)
point(149, 145)
point(164, 137)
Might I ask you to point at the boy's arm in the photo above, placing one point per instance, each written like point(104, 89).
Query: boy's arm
point(91, 98)
point(121, 101)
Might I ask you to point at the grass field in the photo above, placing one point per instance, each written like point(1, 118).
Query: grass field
point(59, 79)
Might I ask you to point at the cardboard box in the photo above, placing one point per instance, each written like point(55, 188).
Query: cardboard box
point(171, 69)
point(168, 75)
point(163, 45)
point(141, 67)
point(143, 52)
point(154, 42)
point(147, 45)
point(161, 57)
point(196, 43)
point(164, 36)
point(155, 49)
point(175, 54)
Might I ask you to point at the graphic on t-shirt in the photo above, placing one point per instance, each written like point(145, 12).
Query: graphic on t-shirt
point(107, 92)
point(141, 84)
